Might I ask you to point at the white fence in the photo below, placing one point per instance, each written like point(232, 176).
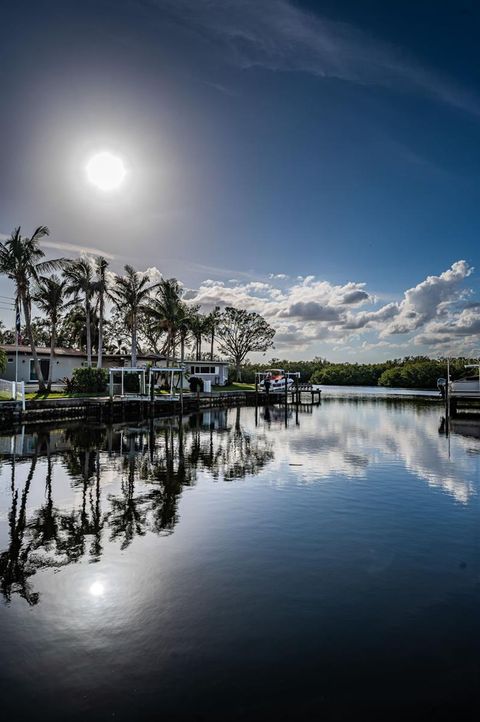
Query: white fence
point(12, 391)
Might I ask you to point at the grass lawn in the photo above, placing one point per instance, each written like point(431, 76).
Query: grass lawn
point(36, 396)
point(236, 386)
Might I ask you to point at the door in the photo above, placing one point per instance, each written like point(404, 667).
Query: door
point(45, 367)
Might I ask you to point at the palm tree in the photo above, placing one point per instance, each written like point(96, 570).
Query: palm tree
point(130, 293)
point(21, 261)
point(102, 289)
point(49, 296)
point(212, 321)
point(199, 327)
point(184, 327)
point(81, 280)
point(170, 312)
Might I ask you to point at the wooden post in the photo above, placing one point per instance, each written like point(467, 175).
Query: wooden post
point(447, 398)
point(182, 375)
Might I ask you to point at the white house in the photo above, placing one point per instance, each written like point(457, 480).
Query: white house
point(66, 360)
point(214, 371)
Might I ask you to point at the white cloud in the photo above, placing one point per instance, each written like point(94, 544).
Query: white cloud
point(429, 299)
point(153, 274)
point(77, 248)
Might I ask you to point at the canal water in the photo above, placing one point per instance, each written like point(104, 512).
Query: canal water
point(243, 565)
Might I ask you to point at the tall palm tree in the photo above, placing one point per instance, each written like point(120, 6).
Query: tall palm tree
point(130, 293)
point(212, 322)
point(168, 309)
point(102, 288)
point(81, 281)
point(49, 296)
point(199, 328)
point(184, 327)
point(21, 260)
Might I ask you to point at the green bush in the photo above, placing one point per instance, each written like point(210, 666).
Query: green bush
point(89, 380)
point(131, 383)
point(195, 383)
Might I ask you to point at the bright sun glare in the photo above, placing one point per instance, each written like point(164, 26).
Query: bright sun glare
point(106, 171)
point(97, 589)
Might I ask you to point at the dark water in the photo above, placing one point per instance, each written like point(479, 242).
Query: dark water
point(223, 570)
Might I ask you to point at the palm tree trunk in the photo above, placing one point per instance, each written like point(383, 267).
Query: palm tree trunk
point(28, 324)
point(100, 332)
point(182, 347)
point(212, 341)
point(53, 341)
point(133, 361)
point(89, 332)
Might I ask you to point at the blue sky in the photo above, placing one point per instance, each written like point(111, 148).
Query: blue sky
point(318, 162)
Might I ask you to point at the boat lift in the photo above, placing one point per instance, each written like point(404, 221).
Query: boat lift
point(464, 393)
point(290, 378)
point(146, 388)
point(154, 371)
point(140, 370)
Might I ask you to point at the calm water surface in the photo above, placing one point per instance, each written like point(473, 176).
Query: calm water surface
point(231, 568)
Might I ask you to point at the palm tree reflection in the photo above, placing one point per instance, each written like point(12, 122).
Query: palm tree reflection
point(150, 465)
point(16, 564)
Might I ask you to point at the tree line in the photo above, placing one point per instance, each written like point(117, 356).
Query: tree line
point(411, 372)
point(146, 316)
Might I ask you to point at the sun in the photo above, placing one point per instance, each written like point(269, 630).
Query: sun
point(106, 171)
point(97, 589)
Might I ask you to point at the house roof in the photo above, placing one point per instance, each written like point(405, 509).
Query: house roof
point(10, 348)
point(204, 362)
point(43, 351)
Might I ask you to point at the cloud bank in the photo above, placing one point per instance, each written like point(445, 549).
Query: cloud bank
point(436, 314)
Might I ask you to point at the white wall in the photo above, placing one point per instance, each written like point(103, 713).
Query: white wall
point(220, 375)
point(62, 366)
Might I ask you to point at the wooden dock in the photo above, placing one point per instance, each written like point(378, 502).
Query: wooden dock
point(460, 397)
point(300, 394)
point(131, 408)
point(104, 408)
